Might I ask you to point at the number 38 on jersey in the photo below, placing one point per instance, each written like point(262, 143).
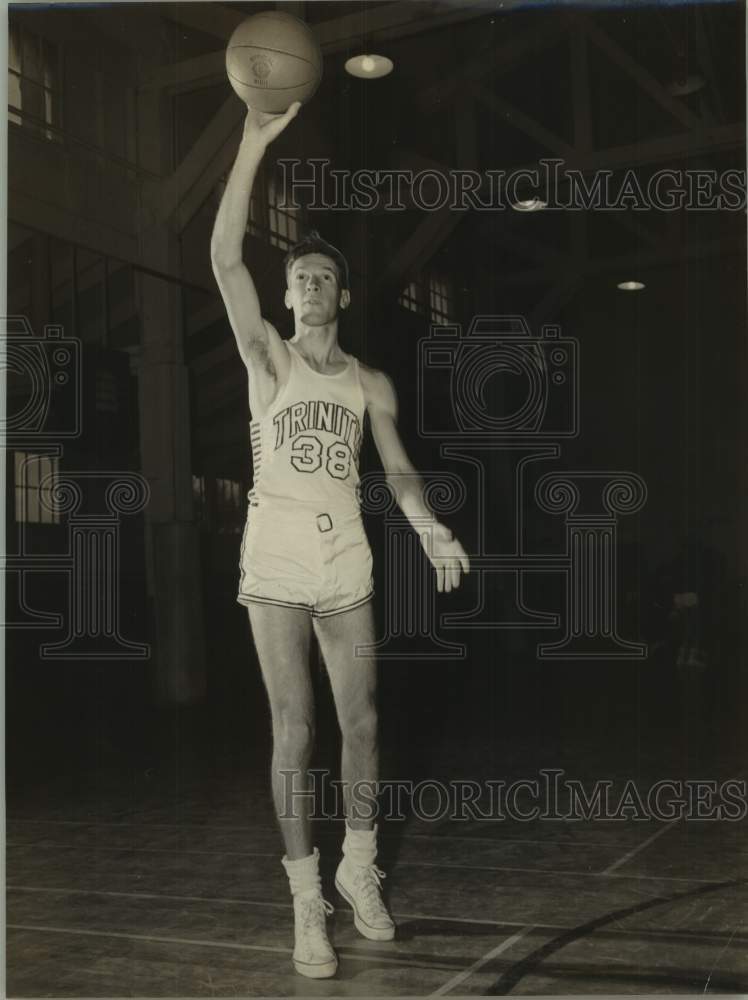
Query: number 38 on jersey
point(309, 454)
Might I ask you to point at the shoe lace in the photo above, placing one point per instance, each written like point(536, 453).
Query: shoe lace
point(313, 912)
point(369, 879)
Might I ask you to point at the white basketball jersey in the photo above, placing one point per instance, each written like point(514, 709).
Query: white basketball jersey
point(306, 447)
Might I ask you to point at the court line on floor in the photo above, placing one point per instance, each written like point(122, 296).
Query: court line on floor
point(397, 915)
point(461, 977)
point(272, 832)
point(509, 942)
point(718, 959)
point(640, 847)
point(150, 896)
point(145, 850)
point(383, 836)
point(396, 863)
point(531, 963)
point(46, 928)
point(347, 952)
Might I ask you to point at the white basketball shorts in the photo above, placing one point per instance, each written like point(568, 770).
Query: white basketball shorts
point(313, 560)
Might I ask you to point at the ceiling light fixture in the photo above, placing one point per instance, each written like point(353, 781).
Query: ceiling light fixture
point(685, 84)
point(631, 286)
point(530, 205)
point(369, 67)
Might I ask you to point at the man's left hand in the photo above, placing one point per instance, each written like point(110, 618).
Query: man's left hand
point(447, 556)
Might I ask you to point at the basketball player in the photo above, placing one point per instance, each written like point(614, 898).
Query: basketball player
point(305, 561)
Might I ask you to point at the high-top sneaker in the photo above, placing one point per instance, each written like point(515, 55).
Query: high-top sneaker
point(359, 881)
point(313, 955)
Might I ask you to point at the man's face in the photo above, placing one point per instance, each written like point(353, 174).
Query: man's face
point(313, 290)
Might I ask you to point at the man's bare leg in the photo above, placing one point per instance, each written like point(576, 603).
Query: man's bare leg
point(282, 639)
point(353, 680)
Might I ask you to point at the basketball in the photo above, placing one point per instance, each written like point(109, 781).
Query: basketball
point(272, 60)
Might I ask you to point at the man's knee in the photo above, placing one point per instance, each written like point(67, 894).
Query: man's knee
point(293, 731)
point(359, 729)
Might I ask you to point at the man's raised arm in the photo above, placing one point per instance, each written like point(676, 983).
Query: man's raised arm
point(234, 280)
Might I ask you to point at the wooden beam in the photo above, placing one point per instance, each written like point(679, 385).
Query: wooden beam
point(421, 246)
point(213, 18)
point(542, 253)
point(201, 190)
point(190, 74)
point(648, 83)
point(684, 144)
point(681, 146)
point(439, 225)
point(704, 49)
point(72, 227)
point(400, 19)
point(203, 165)
point(700, 250)
point(510, 115)
point(497, 59)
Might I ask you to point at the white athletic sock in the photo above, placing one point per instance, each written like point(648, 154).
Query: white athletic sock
point(303, 874)
point(360, 846)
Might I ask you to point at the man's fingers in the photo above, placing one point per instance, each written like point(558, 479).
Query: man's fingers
point(292, 112)
point(450, 564)
point(274, 124)
point(426, 543)
point(283, 120)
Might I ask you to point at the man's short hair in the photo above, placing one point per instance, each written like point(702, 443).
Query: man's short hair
point(313, 243)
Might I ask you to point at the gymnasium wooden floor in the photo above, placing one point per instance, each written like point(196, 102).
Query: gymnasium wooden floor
point(143, 857)
point(169, 885)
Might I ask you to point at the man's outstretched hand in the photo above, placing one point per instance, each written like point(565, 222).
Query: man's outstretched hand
point(447, 556)
point(260, 128)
